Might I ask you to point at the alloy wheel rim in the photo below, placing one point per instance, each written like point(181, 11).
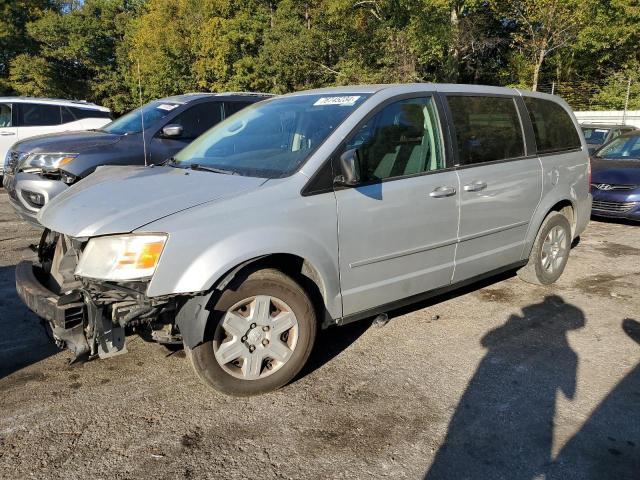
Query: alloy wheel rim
point(256, 337)
point(554, 249)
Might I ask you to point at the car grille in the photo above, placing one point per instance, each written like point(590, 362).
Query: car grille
point(610, 187)
point(613, 207)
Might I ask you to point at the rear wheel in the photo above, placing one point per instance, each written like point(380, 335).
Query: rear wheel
point(550, 251)
point(261, 332)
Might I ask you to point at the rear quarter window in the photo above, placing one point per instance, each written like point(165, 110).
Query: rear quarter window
point(487, 128)
point(552, 126)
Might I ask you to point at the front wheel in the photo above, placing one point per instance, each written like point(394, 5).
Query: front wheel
point(550, 251)
point(262, 330)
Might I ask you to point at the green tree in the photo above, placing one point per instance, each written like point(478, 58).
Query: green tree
point(77, 53)
point(14, 39)
point(542, 27)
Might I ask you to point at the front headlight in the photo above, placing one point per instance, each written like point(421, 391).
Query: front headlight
point(36, 162)
point(121, 257)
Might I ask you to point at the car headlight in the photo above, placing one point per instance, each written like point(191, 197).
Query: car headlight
point(121, 257)
point(35, 162)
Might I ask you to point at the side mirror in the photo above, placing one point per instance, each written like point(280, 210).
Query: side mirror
point(172, 130)
point(350, 168)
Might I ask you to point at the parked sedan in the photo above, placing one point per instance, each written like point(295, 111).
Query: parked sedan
point(38, 169)
point(615, 178)
point(597, 135)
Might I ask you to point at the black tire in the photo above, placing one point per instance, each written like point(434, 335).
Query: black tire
point(533, 271)
point(261, 282)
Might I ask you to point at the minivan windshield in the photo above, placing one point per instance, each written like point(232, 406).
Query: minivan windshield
point(132, 121)
point(270, 139)
point(621, 148)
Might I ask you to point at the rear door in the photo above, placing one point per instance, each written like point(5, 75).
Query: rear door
point(500, 184)
point(38, 119)
point(8, 130)
point(397, 229)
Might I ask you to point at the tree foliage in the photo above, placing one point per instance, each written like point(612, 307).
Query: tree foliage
point(105, 50)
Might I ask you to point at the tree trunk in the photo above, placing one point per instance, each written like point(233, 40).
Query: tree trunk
point(536, 70)
point(454, 49)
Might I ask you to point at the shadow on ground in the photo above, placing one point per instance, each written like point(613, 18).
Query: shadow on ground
point(503, 425)
point(334, 340)
point(24, 338)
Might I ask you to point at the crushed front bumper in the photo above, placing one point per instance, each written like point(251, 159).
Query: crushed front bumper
point(91, 319)
point(65, 316)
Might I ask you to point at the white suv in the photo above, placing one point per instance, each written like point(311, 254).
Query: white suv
point(24, 117)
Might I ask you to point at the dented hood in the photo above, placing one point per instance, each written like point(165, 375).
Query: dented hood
point(121, 199)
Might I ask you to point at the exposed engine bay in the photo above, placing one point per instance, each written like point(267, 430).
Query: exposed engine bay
point(97, 315)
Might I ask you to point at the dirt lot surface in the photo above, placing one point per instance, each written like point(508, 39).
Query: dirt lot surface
point(501, 380)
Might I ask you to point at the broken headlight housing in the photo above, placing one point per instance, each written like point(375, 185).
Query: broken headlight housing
point(39, 162)
point(121, 257)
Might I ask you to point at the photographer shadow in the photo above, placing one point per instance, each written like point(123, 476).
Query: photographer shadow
point(608, 444)
point(503, 425)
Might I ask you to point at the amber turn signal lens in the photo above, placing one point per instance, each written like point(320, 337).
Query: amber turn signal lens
point(149, 255)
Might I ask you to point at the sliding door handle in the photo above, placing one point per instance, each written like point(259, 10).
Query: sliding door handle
point(475, 186)
point(442, 192)
point(6, 134)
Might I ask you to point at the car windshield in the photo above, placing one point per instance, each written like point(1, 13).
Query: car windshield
point(132, 121)
point(270, 139)
point(621, 147)
point(595, 135)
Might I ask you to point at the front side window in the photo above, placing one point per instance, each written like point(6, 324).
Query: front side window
point(402, 139)
point(39, 115)
point(148, 114)
point(486, 128)
point(198, 119)
point(5, 115)
point(621, 148)
point(553, 128)
point(270, 139)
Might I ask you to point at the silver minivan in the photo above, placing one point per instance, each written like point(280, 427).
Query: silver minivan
point(305, 211)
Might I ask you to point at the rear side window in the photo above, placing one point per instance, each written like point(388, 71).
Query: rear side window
point(39, 115)
point(553, 128)
point(71, 114)
point(487, 128)
point(233, 107)
point(198, 119)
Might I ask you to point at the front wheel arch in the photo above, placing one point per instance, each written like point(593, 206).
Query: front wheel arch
point(193, 314)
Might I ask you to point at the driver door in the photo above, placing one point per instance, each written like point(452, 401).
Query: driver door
point(398, 228)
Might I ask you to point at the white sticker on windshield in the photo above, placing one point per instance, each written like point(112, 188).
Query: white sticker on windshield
point(166, 106)
point(600, 130)
point(347, 101)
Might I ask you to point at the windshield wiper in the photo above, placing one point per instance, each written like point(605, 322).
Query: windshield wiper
point(204, 168)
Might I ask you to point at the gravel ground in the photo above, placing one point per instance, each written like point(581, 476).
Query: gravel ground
point(500, 380)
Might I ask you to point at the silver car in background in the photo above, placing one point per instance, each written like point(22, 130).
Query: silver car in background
point(310, 210)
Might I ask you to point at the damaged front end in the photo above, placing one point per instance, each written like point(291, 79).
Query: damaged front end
point(91, 317)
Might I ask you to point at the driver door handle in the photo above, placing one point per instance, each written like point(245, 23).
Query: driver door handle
point(442, 192)
point(6, 134)
point(475, 186)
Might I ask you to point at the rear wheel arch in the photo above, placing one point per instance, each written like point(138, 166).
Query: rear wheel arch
point(564, 206)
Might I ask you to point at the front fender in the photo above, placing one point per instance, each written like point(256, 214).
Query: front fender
point(215, 263)
point(179, 274)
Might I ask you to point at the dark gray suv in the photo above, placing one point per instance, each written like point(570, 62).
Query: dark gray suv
point(40, 168)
